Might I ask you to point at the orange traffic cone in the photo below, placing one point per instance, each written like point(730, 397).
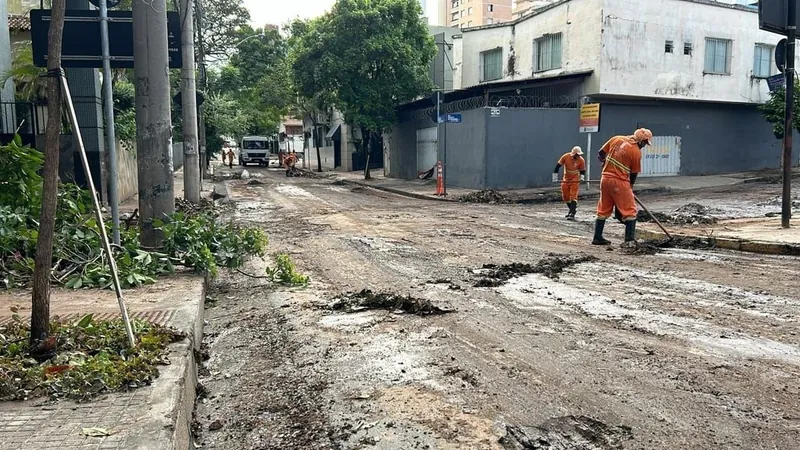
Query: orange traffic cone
point(439, 179)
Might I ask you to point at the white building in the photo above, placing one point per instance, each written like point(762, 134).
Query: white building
point(693, 71)
point(684, 49)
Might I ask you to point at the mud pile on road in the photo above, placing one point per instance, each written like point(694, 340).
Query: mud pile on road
point(551, 266)
point(485, 196)
point(653, 246)
point(206, 206)
point(689, 214)
point(352, 302)
point(567, 433)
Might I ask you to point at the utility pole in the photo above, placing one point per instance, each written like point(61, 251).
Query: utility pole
point(201, 57)
point(786, 209)
point(153, 117)
point(191, 160)
point(111, 132)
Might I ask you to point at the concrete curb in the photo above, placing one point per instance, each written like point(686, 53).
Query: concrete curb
point(742, 245)
point(169, 421)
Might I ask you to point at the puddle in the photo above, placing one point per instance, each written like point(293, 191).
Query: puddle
point(537, 292)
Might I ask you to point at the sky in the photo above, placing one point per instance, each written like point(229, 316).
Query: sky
point(278, 12)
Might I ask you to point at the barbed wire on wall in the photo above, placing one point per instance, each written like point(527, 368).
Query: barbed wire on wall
point(511, 101)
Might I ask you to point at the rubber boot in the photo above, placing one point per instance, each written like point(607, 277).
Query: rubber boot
point(573, 207)
point(599, 225)
point(630, 231)
point(569, 210)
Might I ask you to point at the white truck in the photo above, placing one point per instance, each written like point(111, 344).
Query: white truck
point(255, 150)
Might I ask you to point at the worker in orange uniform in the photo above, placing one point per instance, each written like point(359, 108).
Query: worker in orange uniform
point(574, 172)
point(622, 162)
point(289, 162)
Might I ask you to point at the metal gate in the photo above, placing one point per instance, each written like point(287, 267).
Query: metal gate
point(662, 158)
point(427, 148)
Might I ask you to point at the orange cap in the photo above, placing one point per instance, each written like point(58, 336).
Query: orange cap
point(643, 135)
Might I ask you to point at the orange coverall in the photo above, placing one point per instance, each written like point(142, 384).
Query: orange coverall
point(623, 157)
point(571, 182)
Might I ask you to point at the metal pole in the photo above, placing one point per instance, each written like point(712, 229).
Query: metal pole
point(191, 156)
point(438, 126)
point(588, 160)
point(788, 129)
point(153, 117)
point(444, 158)
point(201, 59)
point(111, 132)
point(73, 119)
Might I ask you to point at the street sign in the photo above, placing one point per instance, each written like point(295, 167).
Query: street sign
point(776, 82)
point(772, 16)
point(780, 55)
point(450, 118)
point(590, 118)
point(81, 47)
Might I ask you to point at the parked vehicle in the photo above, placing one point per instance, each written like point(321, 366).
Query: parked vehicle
point(255, 150)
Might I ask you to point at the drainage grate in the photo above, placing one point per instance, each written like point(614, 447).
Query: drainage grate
point(161, 317)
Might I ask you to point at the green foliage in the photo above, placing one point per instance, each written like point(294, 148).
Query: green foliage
point(370, 55)
point(285, 272)
point(222, 22)
point(84, 359)
point(27, 77)
point(775, 108)
point(194, 240)
point(19, 175)
point(124, 110)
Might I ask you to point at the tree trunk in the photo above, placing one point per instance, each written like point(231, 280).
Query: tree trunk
point(316, 144)
point(367, 145)
point(40, 308)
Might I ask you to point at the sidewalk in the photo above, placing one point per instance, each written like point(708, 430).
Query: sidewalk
point(425, 189)
point(755, 235)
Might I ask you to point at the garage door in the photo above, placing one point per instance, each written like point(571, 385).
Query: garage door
point(427, 148)
point(662, 158)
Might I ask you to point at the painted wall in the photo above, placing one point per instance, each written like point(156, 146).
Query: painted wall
point(127, 170)
point(579, 21)
point(714, 138)
point(466, 149)
point(524, 145)
point(634, 60)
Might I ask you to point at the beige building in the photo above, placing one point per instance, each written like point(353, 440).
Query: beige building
point(475, 13)
point(525, 7)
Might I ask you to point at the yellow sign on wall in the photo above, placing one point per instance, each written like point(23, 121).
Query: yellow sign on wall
point(590, 118)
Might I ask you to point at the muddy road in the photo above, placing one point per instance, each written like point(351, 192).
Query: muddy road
point(566, 346)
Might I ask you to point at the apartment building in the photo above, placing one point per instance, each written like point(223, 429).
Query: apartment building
point(687, 69)
point(474, 13)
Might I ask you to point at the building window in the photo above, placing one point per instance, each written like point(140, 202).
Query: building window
point(454, 4)
point(668, 46)
point(762, 61)
point(687, 48)
point(490, 8)
point(454, 16)
point(462, 13)
point(492, 65)
point(489, 21)
point(469, 24)
point(548, 52)
point(469, 11)
point(718, 56)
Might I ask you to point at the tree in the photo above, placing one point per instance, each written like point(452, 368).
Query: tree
point(372, 55)
point(775, 109)
point(40, 308)
point(222, 24)
point(312, 98)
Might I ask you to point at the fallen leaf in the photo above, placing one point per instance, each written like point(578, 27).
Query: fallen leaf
point(96, 432)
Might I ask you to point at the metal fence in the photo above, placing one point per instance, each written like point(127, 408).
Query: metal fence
point(496, 101)
point(24, 118)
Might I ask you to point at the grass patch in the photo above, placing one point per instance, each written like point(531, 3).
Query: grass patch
point(80, 360)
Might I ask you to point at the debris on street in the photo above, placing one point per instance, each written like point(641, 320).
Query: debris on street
point(689, 214)
point(366, 299)
point(566, 433)
point(551, 266)
point(490, 196)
